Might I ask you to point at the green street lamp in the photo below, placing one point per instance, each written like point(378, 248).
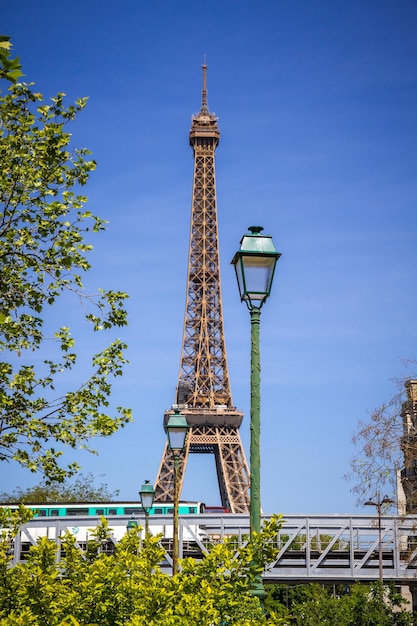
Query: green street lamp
point(147, 493)
point(177, 429)
point(254, 264)
point(255, 267)
point(379, 504)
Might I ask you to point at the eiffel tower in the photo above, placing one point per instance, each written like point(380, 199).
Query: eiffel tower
point(203, 389)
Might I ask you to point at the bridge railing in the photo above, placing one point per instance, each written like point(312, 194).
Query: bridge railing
point(310, 547)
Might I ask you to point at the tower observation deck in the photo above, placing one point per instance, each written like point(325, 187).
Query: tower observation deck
point(203, 388)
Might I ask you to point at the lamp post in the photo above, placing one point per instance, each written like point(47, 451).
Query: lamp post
point(378, 504)
point(177, 429)
point(255, 264)
point(147, 493)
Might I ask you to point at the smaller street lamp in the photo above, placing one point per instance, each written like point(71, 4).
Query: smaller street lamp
point(146, 494)
point(177, 429)
point(378, 504)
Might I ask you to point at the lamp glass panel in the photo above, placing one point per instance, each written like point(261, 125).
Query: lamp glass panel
point(176, 438)
point(258, 273)
point(146, 499)
point(239, 276)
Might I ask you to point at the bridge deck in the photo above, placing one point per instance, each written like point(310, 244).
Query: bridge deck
point(310, 547)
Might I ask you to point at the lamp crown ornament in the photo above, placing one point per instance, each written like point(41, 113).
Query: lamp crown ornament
point(255, 230)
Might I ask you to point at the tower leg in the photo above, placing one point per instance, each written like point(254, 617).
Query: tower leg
point(232, 470)
point(164, 486)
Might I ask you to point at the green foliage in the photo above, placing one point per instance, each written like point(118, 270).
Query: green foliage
point(364, 605)
point(82, 489)
point(10, 521)
point(10, 69)
point(45, 237)
point(320, 607)
point(128, 587)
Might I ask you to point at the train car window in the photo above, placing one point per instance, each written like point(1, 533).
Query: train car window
point(158, 510)
point(169, 510)
point(193, 509)
point(132, 510)
point(216, 509)
point(99, 511)
point(54, 512)
point(42, 512)
point(77, 511)
point(112, 511)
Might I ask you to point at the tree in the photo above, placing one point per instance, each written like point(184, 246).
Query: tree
point(45, 239)
point(381, 448)
point(128, 587)
point(82, 489)
point(10, 69)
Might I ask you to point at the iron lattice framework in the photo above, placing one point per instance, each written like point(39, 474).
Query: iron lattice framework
point(203, 390)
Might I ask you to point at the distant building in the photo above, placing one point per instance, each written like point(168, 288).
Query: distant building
point(407, 492)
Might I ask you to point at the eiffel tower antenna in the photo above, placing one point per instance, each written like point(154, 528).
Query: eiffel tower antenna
point(203, 389)
point(204, 105)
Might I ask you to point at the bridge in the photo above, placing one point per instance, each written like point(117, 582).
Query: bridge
point(320, 548)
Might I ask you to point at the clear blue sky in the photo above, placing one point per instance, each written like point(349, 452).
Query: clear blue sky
point(317, 107)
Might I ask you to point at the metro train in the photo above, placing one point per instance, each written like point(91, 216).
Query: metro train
point(52, 520)
point(98, 509)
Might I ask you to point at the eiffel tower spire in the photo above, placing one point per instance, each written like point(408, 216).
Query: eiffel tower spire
point(204, 105)
point(203, 389)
